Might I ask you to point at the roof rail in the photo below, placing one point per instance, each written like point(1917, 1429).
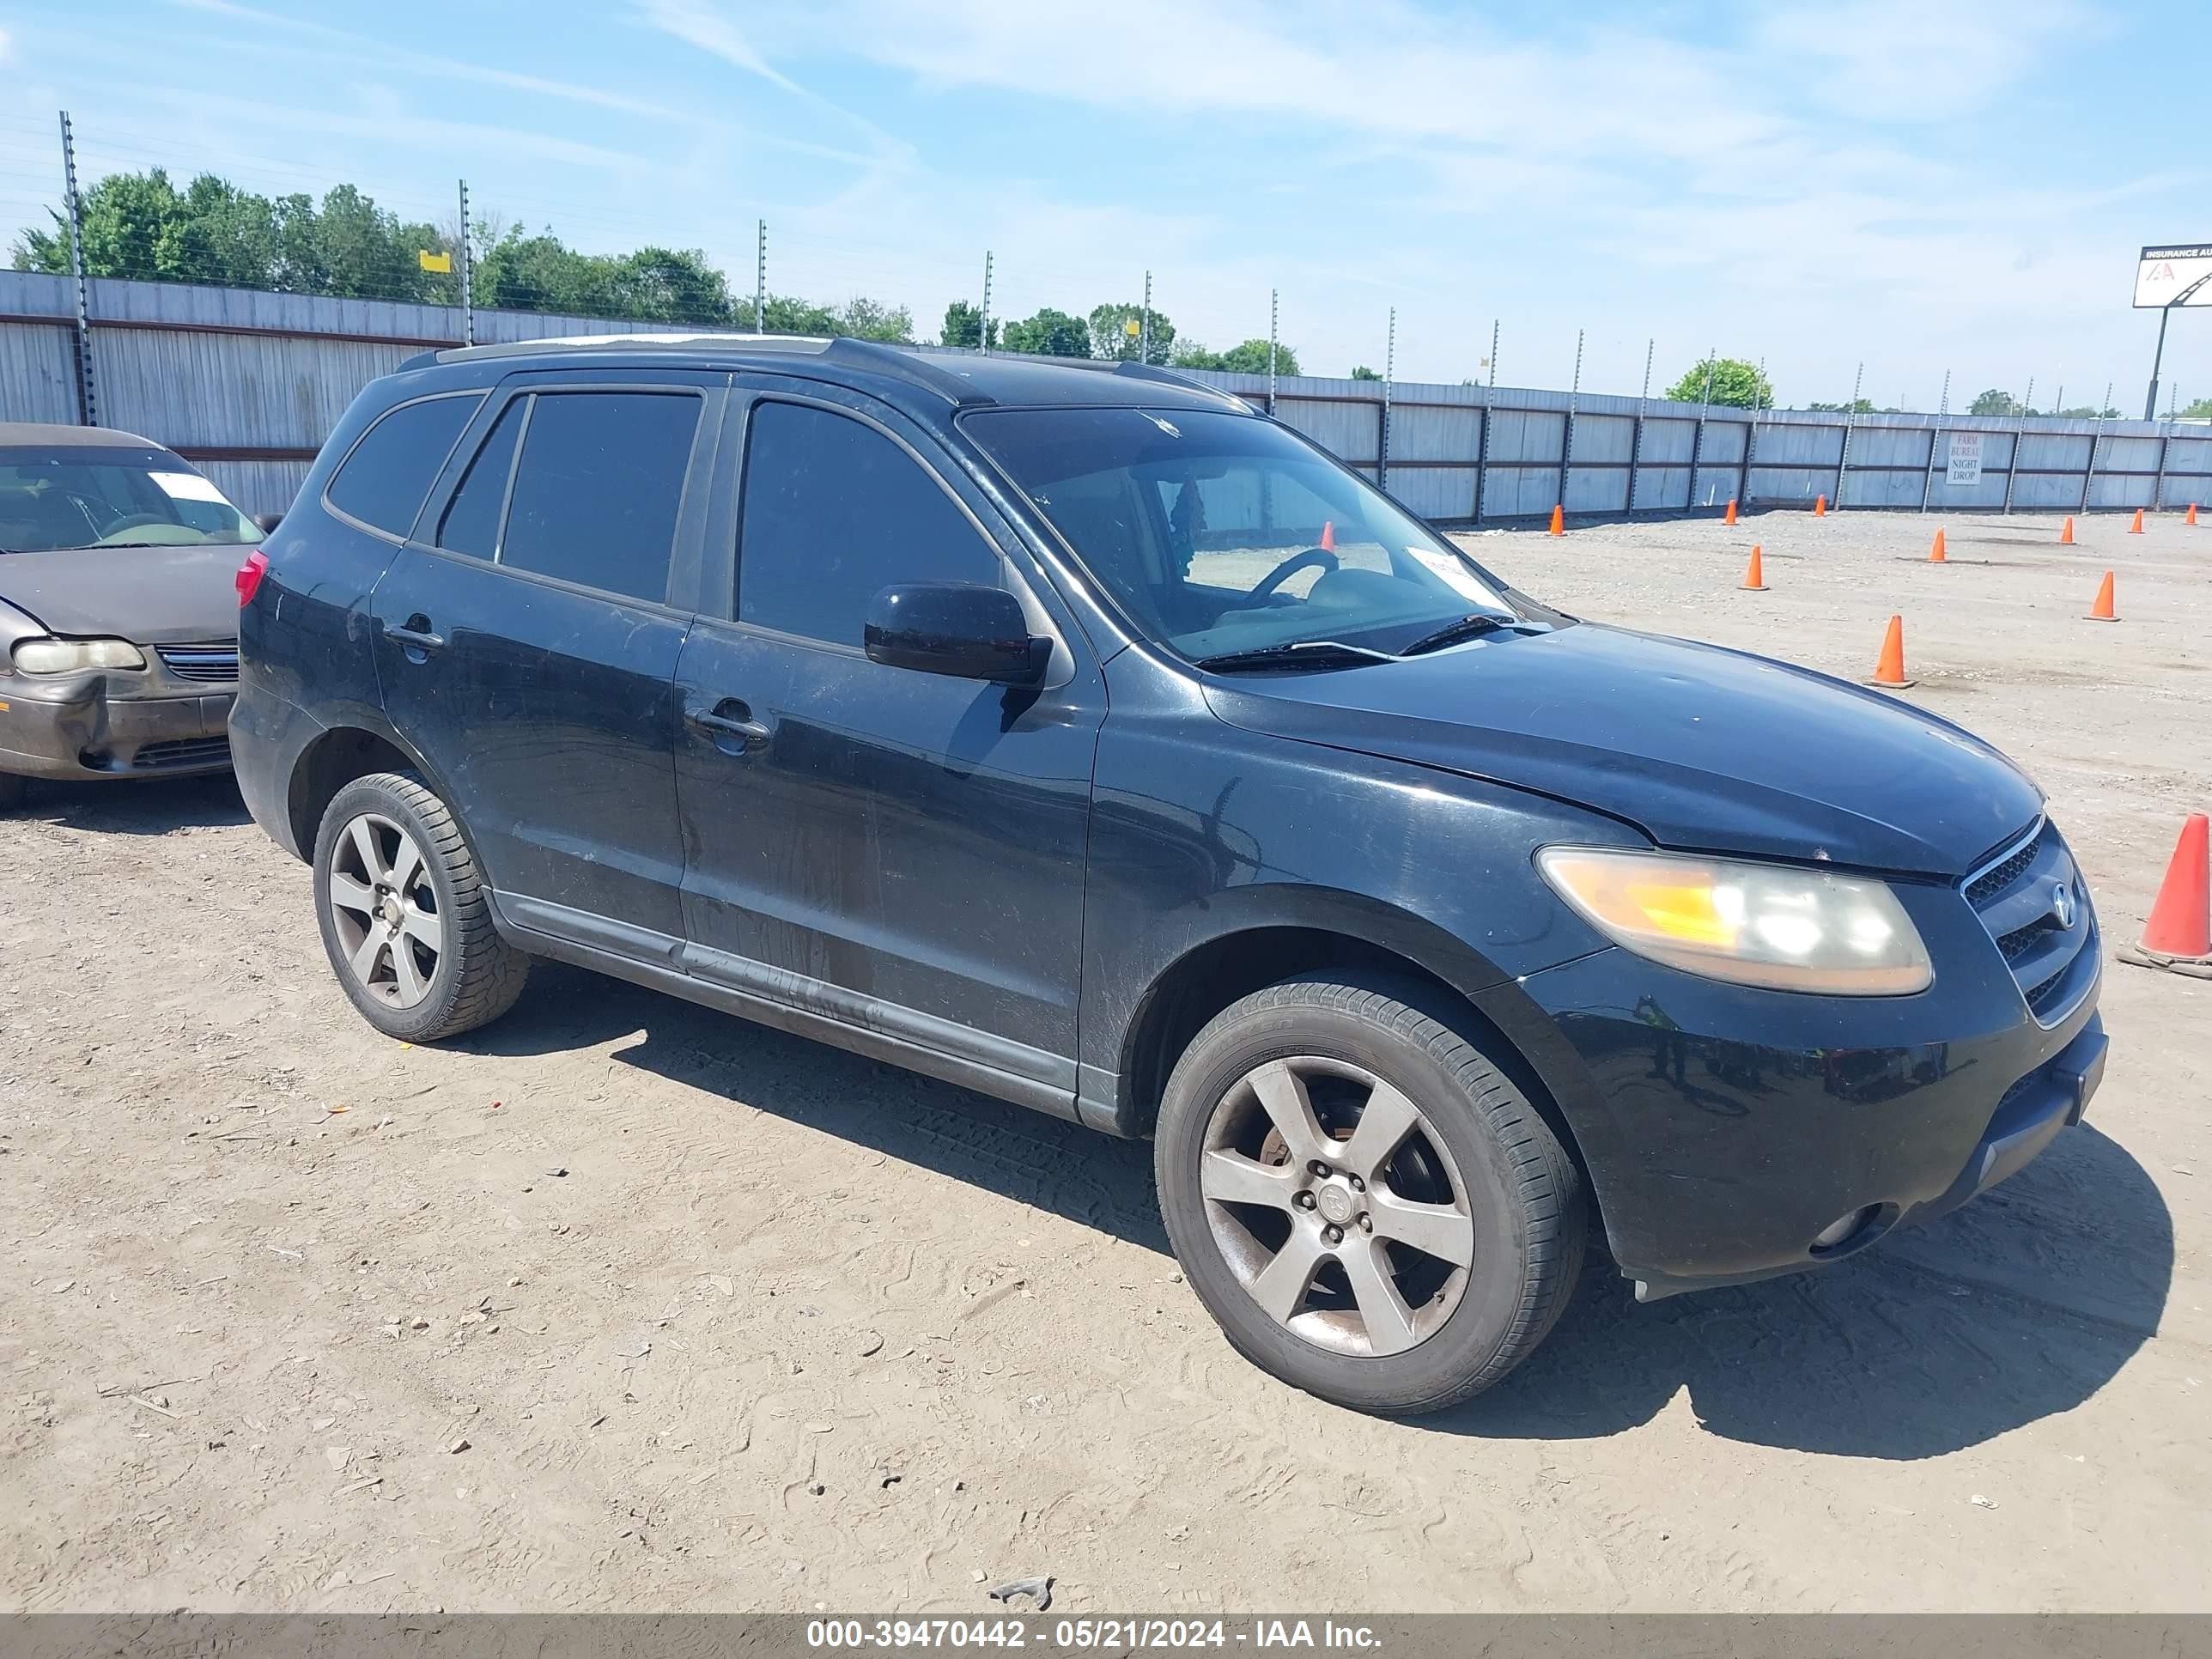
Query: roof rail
point(889, 361)
point(1171, 377)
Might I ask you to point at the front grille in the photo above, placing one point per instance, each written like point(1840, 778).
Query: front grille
point(181, 751)
point(2017, 898)
point(214, 662)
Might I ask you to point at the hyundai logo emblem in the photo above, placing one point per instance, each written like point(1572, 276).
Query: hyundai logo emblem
point(2062, 903)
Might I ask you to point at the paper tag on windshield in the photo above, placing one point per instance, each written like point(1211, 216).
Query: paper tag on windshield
point(1454, 573)
point(187, 487)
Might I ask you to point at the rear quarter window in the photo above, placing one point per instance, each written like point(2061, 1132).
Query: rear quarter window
point(383, 479)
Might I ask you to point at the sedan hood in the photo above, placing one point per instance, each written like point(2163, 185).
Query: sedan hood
point(151, 595)
point(1701, 748)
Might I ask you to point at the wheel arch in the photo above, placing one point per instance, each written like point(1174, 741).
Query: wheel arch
point(334, 758)
point(1260, 941)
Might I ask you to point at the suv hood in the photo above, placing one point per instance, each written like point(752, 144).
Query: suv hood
point(149, 595)
point(1702, 748)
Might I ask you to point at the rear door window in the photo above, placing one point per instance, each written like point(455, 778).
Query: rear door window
point(598, 487)
point(382, 482)
point(471, 523)
point(834, 512)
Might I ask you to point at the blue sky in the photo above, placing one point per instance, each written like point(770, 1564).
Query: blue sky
point(1918, 186)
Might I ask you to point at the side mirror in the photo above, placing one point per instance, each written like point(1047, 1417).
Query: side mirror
point(266, 523)
point(960, 628)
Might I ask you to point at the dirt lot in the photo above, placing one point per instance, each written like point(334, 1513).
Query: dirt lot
point(620, 1303)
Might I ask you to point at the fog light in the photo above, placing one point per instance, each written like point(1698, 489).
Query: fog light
point(1842, 1228)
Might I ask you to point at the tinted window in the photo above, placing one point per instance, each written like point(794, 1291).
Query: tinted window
point(835, 512)
point(596, 492)
point(471, 522)
point(384, 480)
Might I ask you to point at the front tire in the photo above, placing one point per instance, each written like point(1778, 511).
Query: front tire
point(1370, 1208)
point(405, 916)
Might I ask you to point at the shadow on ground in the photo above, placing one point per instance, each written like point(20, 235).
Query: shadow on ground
point(2018, 1307)
point(136, 807)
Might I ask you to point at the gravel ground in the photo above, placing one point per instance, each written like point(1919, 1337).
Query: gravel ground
point(624, 1305)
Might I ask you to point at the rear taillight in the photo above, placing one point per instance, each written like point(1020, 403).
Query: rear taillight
point(247, 582)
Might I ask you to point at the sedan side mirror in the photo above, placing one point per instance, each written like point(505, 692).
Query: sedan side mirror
point(266, 523)
point(961, 628)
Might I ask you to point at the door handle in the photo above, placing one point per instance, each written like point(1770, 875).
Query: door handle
point(739, 723)
point(419, 640)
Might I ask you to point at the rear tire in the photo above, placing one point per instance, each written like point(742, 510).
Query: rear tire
point(406, 919)
point(1318, 1278)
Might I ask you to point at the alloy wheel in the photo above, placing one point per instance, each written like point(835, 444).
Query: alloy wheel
point(385, 911)
point(1337, 1206)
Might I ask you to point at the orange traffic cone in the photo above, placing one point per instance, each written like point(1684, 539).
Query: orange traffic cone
point(2178, 933)
point(1329, 535)
point(2102, 611)
point(2189, 517)
point(1558, 520)
point(2066, 532)
point(1936, 554)
point(2135, 529)
point(1731, 512)
point(1754, 578)
point(1820, 507)
point(1890, 670)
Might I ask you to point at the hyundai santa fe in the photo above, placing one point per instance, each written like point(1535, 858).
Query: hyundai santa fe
point(1081, 736)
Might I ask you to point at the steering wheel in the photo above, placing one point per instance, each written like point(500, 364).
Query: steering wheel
point(1320, 557)
point(133, 521)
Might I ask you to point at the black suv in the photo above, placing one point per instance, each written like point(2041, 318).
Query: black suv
point(1078, 735)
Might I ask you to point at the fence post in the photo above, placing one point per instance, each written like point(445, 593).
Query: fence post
point(1482, 452)
point(983, 339)
point(1844, 456)
point(1493, 354)
point(2012, 472)
point(1934, 435)
point(468, 303)
point(1567, 438)
point(1698, 437)
point(1389, 373)
point(87, 403)
point(2158, 486)
point(1271, 352)
point(2096, 438)
point(760, 284)
point(1144, 334)
point(1636, 438)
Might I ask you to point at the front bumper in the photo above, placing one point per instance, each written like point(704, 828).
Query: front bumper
point(106, 724)
point(1725, 1130)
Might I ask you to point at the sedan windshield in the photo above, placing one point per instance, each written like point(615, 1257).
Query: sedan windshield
point(1223, 534)
point(53, 502)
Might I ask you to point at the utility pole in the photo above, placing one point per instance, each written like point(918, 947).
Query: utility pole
point(467, 304)
point(87, 405)
point(983, 339)
point(1271, 319)
point(760, 280)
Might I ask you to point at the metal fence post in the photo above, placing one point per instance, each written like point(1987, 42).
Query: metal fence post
point(468, 303)
point(983, 338)
point(1636, 438)
point(88, 402)
point(1389, 373)
point(1482, 452)
point(2158, 485)
point(2012, 472)
point(1144, 334)
point(1934, 435)
point(760, 280)
point(2096, 438)
point(1272, 318)
point(1698, 436)
point(1844, 456)
point(1567, 439)
point(1493, 354)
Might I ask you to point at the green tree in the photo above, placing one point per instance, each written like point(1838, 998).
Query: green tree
point(1863, 406)
point(1249, 358)
point(1119, 334)
point(1735, 385)
point(2200, 410)
point(1050, 333)
point(674, 285)
point(963, 327)
point(1994, 402)
point(1361, 372)
point(862, 318)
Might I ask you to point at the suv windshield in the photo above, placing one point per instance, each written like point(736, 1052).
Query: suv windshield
point(51, 502)
point(1221, 534)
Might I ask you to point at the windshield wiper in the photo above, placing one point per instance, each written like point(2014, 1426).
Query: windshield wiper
point(1466, 628)
point(1299, 654)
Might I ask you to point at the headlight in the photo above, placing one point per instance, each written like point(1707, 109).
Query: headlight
point(1754, 924)
point(74, 656)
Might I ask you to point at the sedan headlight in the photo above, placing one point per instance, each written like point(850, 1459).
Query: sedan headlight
point(1754, 924)
point(74, 656)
